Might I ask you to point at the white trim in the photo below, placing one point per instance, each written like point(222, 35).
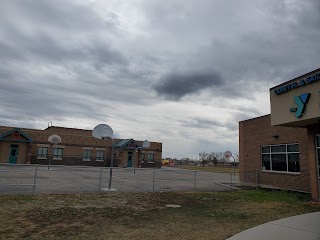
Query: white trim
point(86, 160)
point(57, 159)
point(99, 160)
point(87, 148)
point(281, 172)
point(58, 146)
point(43, 145)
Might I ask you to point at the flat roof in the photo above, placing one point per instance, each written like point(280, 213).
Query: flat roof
point(294, 79)
point(255, 118)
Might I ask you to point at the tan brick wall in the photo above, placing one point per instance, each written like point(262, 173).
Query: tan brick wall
point(74, 141)
point(4, 152)
point(312, 132)
point(257, 132)
point(22, 152)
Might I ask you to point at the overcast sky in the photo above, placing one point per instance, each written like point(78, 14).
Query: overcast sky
point(180, 72)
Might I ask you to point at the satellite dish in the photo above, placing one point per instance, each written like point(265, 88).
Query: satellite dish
point(55, 139)
point(228, 154)
point(146, 144)
point(102, 131)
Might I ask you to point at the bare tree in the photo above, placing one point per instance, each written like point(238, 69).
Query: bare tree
point(203, 158)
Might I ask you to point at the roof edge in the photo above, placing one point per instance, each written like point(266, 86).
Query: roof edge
point(255, 118)
point(294, 79)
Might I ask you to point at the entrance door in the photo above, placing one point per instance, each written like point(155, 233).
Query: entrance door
point(13, 154)
point(129, 159)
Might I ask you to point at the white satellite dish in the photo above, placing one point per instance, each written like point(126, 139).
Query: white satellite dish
point(102, 131)
point(146, 144)
point(228, 154)
point(55, 139)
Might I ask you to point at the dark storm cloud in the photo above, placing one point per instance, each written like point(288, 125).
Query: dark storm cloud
point(68, 15)
point(50, 54)
point(71, 59)
point(205, 123)
point(175, 86)
point(45, 48)
point(56, 31)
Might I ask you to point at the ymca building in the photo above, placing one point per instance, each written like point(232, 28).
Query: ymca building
point(282, 150)
point(77, 147)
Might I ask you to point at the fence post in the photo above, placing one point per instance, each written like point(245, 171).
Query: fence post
point(100, 179)
point(195, 179)
point(154, 175)
point(257, 178)
point(34, 179)
point(110, 178)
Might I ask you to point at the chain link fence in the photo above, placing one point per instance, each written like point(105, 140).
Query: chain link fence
point(44, 179)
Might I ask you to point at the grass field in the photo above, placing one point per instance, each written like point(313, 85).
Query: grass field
point(211, 169)
point(140, 216)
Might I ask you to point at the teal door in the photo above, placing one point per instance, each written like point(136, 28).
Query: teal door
point(13, 154)
point(129, 159)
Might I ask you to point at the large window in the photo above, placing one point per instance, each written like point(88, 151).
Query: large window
point(100, 155)
point(42, 152)
point(150, 158)
point(142, 157)
point(283, 158)
point(87, 154)
point(57, 152)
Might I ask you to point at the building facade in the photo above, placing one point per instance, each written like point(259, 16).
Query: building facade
point(78, 147)
point(282, 150)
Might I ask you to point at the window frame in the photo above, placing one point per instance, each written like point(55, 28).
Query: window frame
point(150, 160)
point(57, 156)
point(142, 157)
point(86, 156)
point(42, 156)
point(286, 153)
point(99, 158)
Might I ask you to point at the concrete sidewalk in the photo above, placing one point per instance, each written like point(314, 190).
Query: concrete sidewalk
point(306, 227)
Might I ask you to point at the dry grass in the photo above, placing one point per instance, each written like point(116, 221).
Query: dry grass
point(144, 215)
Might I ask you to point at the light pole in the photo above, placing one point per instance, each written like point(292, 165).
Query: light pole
point(145, 144)
point(54, 140)
point(229, 154)
point(103, 132)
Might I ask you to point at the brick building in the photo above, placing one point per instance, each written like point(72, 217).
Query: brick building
point(282, 150)
point(78, 147)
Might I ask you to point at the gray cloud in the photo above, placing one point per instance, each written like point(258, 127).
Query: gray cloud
point(205, 123)
point(175, 86)
point(122, 62)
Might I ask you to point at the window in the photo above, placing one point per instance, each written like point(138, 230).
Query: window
point(283, 158)
point(87, 154)
point(57, 152)
point(15, 136)
point(150, 157)
point(42, 152)
point(131, 145)
point(142, 157)
point(100, 155)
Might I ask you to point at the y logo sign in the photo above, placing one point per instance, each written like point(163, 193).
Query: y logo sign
point(301, 102)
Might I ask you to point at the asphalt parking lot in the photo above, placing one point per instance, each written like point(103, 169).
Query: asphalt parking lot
point(40, 179)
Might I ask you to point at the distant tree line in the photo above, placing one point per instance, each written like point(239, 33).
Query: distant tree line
point(206, 159)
